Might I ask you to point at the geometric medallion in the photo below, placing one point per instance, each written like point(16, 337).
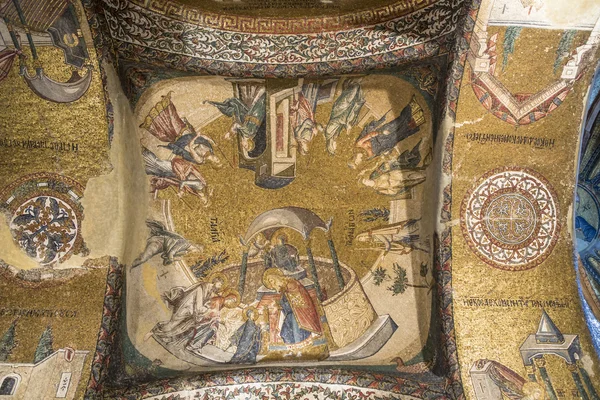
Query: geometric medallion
point(44, 215)
point(510, 218)
point(45, 227)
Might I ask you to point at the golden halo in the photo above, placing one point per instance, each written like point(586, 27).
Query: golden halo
point(277, 235)
point(269, 274)
point(249, 144)
point(220, 276)
point(245, 313)
point(530, 389)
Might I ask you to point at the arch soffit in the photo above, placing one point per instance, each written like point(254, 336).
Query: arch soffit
point(301, 220)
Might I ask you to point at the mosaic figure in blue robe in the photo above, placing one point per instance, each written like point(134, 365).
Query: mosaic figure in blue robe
point(282, 255)
point(379, 138)
point(247, 339)
point(291, 332)
point(587, 229)
point(249, 122)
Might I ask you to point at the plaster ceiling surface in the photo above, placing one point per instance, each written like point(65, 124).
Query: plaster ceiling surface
point(538, 14)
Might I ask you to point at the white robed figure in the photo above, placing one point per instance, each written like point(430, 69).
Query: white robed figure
point(399, 238)
point(189, 306)
point(345, 112)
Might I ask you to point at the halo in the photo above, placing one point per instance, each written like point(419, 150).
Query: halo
point(268, 274)
point(529, 388)
point(218, 275)
point(249, 144)
point(245, 312)
point(279, 233)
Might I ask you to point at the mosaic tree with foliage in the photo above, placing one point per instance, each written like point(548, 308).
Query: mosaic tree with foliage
point(508, 46)
point(8, 342)
point(375, 214)
point(202, 267)
point(400, 280)
point(44, 347)
point(564, 47)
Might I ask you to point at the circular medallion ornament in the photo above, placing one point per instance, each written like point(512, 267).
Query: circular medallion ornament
point(44, 215)
point(510, 218)
point(45, 227)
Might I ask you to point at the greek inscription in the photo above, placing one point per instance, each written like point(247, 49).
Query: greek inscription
point(37, 313)
point(494, 138)
point(350, 227)
point(214, 230)
point(39, 144)
point(478, 302)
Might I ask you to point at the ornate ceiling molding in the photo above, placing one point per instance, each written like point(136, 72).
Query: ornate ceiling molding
point(141, 35)
point(250, 24)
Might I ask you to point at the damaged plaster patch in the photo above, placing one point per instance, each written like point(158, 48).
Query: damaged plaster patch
point(476, 121)
point(116, 204)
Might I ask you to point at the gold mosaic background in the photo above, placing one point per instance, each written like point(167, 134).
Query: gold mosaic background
point(496, 333)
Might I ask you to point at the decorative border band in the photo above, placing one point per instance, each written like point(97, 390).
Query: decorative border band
point(258, 24)
point(139, 27)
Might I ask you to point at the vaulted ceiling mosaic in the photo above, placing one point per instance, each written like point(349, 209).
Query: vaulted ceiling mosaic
point(311, 199)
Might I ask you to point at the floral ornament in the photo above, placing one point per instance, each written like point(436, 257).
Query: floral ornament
point(44, 216)
point(45, 227)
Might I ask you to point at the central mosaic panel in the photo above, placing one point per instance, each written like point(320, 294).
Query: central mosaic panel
point(286, 222)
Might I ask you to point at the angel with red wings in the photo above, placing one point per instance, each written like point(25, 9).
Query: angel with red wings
point(189, 149)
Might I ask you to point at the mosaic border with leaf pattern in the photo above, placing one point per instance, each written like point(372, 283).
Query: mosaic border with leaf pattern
point(166, 42)
point(241, 23)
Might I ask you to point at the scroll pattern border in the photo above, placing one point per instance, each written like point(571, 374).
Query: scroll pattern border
point(174, 9)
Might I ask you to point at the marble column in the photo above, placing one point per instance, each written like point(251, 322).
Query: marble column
point(588, 382)
point(541, 365)
point(336, 263)
point(244, 266)
point(313, 270)
point(531, 372)
point(577, 379)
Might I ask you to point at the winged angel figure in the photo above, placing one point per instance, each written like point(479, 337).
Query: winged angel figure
point(189, 149)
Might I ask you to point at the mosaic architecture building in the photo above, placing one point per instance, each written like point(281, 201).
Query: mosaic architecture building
point(310, 199)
